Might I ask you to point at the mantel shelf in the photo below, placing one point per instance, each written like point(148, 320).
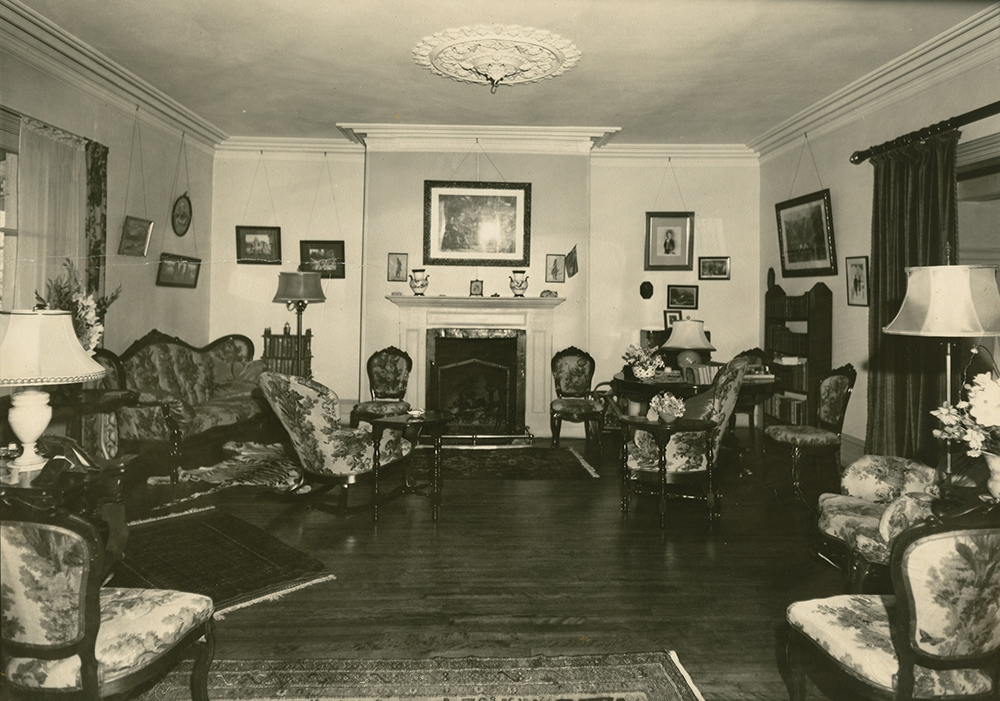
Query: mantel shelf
point(476, 302)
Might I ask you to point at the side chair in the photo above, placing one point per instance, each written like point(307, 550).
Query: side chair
point(823, 439)
point(388, 376)
point(936, 636)
point(65, 636)
point(573, 372)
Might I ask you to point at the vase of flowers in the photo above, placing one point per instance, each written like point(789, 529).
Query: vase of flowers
point(641, 363)
point(67, 294)
point(666, 407)
point(976, 422)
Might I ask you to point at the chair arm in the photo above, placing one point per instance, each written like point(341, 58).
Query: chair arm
point(876, 478)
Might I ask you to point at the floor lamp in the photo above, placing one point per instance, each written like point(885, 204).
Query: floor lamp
point(949, 301)
point(296, 291)
point(38, 349)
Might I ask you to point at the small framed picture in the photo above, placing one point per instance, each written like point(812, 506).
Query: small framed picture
point(259, 245)
point(857, 280)
point(476, 288)
point(555, 267)
point(669, 240)
point(682, 296)
point(324, 257)
point(714, 268)
point(669, 318)
point(178, 271)
point(135, 237)
point(805, 236)
point(397, 267)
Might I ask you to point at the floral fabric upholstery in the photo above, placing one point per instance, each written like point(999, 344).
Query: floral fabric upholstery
point(854, 631)
point(44, 573)
point(904, 512)
point(686, 450)
point(310, 413)
point(842, 517)
point(577, 405)
point(389, 373)
point(382, 407)
point(573, 373)
point(202, 389)
point(804, 436)
point(834, 392)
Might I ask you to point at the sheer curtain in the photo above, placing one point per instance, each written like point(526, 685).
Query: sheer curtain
point(52, 200)
point(914, 222)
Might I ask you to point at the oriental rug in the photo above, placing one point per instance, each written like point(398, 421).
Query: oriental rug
point(216, 554)
point(644, 676)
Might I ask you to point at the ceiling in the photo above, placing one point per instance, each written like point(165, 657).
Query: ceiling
point(664, 71)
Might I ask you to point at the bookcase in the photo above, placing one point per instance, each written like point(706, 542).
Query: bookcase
point(798, 347)
point(281, 352)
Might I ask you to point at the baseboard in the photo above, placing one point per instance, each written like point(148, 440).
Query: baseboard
point(851, 449)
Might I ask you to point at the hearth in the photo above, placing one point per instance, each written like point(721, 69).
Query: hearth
point(478, 375)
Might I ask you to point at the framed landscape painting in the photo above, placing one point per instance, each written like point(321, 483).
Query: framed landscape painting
point(477, 223)
point(324, 257)
point(805, 236)
point(682, 297)
point(178, 271)
point(260, 245)
point(714, 268)
point(135, 237)
point(669, 241)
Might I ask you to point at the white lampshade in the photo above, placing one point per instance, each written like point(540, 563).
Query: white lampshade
point(299, 287)
point(688, 334)
point(949, 301)
point(41, 348)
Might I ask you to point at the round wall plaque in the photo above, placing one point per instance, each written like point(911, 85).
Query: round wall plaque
point(180, 217)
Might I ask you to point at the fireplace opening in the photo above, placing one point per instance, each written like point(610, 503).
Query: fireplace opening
point(478, 375)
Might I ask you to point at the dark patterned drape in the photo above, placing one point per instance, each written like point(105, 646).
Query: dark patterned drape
point(96, 228)
point(914, 222)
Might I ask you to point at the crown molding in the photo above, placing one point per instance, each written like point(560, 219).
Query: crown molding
point(965, 46)
point(977, 150)
point(493, 139)
point(656, 154)
point(289, 148)
point(29, 36)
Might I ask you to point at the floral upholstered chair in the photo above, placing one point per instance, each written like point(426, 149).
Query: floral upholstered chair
point(938, 635)
point(388, 375)
point(331, 454)
point(64, 635)
point(823, 439)
point(686, 452)
point(573, 373)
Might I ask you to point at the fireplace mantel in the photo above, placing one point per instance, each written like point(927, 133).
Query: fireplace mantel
point(534, 315)
point(484, 303)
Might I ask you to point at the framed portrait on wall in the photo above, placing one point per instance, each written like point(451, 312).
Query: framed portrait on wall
point(555, 267)
point(477, 223)
point(805, 236)
point(397, 267)
point(669, 241)
point(857, 280)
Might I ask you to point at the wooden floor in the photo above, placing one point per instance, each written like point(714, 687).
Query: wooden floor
point(517, 568)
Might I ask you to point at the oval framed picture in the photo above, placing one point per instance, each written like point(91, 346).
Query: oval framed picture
point(180, 216)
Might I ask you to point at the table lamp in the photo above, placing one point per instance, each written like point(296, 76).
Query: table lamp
point(949, 301)
point(38, 348)
point(297, 290)
point(688, 337)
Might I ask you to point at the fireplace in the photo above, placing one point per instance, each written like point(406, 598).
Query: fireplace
point(478, 374)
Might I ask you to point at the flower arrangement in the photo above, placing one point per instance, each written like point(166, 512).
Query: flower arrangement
point(642, 362)
point(975, 421)
point(667, 405)
point(67, 294)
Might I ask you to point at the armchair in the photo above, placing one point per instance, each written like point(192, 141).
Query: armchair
point(938, 636)
point(64, 635)
point(332, 455)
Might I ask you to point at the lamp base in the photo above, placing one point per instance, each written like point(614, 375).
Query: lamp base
point(28, 417)
point(687, 358)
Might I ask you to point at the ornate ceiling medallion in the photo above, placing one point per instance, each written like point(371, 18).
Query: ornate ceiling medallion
point(492, 54)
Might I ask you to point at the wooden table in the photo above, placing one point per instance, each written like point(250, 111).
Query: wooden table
point(662, 433)
point(411, 427)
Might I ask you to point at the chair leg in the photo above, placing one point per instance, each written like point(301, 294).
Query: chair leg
point(199, 674)
point(796, 673)
point(796, 484)
point(555, 423)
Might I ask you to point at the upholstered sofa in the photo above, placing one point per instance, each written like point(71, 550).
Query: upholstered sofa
point(185, 392)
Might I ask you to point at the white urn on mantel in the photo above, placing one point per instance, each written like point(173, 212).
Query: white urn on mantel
point(419, 280)
point(518, 283)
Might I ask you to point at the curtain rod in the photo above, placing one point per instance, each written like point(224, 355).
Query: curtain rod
point(975, 115)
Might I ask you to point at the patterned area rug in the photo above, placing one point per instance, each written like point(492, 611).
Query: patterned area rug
point(646, 676)
point(216, 554)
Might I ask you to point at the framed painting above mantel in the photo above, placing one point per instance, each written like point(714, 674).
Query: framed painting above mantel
point(477, 223)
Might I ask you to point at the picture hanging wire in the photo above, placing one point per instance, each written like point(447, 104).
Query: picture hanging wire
point(136, 132)
point(805, 144)
point(474, 147)
point(182, 150)
point(663, 176)
point(267, 184)
point(333, 196)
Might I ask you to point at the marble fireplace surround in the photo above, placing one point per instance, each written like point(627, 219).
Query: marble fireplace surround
point(533, 315)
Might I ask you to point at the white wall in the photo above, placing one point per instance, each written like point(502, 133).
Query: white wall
point(851, 198)
point(291, 190)
point(724, 196)
point(142, 306)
